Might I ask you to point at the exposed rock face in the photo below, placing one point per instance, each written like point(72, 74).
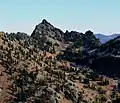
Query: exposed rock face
point(73, 36)
point(90, 40)
point(46, 29)
point(46, 34)
point(80, 45)
point(36, 76)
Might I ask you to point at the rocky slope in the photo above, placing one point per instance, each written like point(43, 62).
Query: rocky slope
point(107, 57)
point(33, 72)
point(47, 36)
point(85, 49)
point(46, 29)
point(88, 40)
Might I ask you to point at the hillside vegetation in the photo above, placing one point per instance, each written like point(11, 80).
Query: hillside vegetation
point(42, 67)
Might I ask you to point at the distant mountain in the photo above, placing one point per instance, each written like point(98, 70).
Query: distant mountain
point(104, 38)
point(112, 47)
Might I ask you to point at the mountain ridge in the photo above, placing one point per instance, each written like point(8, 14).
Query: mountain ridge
point(42, 67)
point(105, 38)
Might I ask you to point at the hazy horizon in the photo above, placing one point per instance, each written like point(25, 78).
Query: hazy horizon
point(80, 15)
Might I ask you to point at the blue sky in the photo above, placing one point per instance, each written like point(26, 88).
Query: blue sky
point(100, 16)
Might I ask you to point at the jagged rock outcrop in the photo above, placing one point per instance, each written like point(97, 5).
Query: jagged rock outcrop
point(72, 36)
point(46, 36)
point(88, 40)
point(80, 45)
point(46, 29)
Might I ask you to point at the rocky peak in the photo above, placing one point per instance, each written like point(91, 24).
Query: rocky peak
point(46, 29)
point(44, 25)
point(44, 21)
point(66, 31)
point(89, 34)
